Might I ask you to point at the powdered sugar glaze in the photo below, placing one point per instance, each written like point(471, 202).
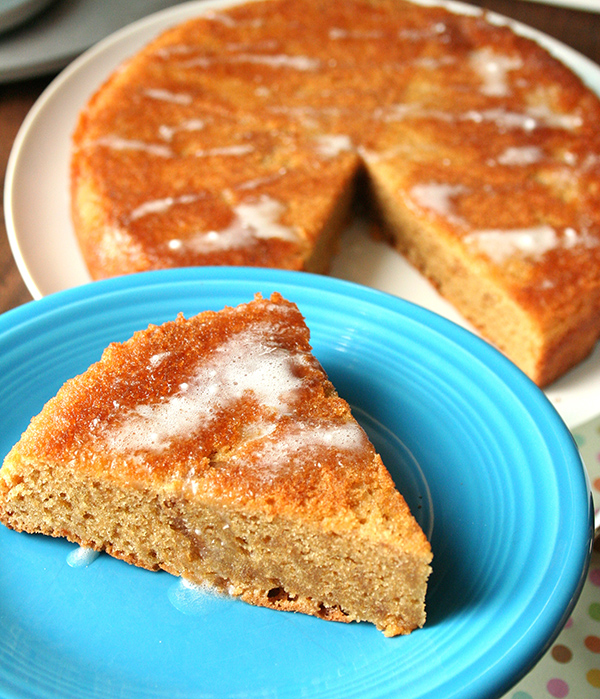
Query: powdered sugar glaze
point(250, 365)
point(246, 362)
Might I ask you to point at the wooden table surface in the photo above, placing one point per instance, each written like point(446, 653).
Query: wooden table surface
point(578, 29)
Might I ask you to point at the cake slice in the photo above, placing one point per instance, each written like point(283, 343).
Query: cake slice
point(217, 449)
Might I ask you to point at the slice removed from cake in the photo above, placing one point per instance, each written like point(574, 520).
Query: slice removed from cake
point(217, 449)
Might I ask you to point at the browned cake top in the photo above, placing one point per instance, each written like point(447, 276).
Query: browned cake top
point(229, 405)
point(245, 121)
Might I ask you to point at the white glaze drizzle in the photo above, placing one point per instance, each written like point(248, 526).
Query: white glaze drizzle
point(193, 599)
point(246, 363)
point(431, 63)
point(521, 155)
point(332, 145)
point(118, 143)
point(401, 111)
point(262, 217)
point(168, 96)
point(493, 69)
point(157, 359)
point(265, 45)
point(534, 242)
point(336, 34)
point(261, 181)
point(534, 117)
point(167, 132)
point(432, 31)
point(160, 206)
point(504, 119)
point(175, 50)
point(302, 63)
point(221, 17)
point(276, 61)
point(529, 120)
point(252, 220)
point(303, 441)
point(234, 150)
point(82, 557)
point(437, 197)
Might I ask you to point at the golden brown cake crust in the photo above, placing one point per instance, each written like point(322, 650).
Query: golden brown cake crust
point(236, 138)
point(216, 448)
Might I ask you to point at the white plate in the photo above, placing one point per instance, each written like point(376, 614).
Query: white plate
point(37, 195)
point(49, 41)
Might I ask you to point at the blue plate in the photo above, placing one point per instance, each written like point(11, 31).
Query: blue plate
point(488, 467)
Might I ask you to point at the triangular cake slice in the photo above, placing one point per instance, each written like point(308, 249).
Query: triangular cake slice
point(217, 449)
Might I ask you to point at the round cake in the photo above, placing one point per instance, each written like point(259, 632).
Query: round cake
point(245, 136)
